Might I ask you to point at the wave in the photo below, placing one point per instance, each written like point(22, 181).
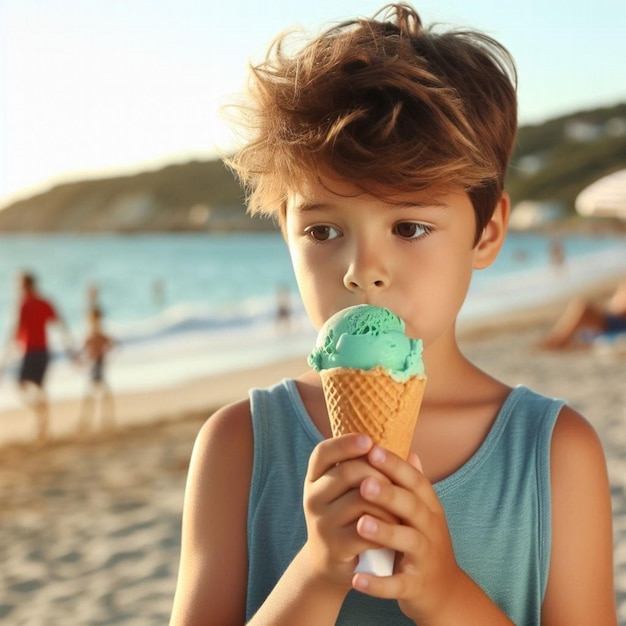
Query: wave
point(191, 340)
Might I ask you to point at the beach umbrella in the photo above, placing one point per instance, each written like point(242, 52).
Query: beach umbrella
point(604, 198)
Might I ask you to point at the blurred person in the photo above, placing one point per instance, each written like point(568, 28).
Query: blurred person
point(157, 289)
point(98, 399)
point(30, 336)
point(283, 308)
point(557, 254)
point(582, 321)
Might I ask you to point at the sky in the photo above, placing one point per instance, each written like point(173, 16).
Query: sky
point(92, 88)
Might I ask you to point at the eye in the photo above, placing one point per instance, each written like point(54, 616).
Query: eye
point(322, 232)
point(412, 230)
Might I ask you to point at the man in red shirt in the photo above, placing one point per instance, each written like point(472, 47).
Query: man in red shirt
point(35, 313)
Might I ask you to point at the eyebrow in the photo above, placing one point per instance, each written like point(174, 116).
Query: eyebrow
point(428, 204)
point(304, 207)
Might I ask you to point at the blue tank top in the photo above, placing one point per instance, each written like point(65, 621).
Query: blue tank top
point(497, 505)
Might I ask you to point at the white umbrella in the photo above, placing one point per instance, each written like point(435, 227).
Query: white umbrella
point(604, 198)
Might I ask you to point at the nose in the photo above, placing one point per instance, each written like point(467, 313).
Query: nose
point(367, 269)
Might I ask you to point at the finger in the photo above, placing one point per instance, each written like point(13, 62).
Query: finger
point(341, 477)
point(397, 537)
point(336, 495)
point(332, 451)
point(404, 474)
point(348, 509)
point(399, 502)
point(385, 587)
point(348, 544)
point(414, 460)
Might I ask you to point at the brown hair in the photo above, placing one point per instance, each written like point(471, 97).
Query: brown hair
point(385, 104)
point(28, 281)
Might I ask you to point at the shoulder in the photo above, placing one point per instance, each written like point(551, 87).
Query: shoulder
point(225, 436)
point(579, 477)
point(215, 521)
point(577, 465)
point(580, 581)
point(221, 463)
point(575, 446)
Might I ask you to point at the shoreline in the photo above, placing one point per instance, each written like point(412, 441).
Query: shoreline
point(203, 395)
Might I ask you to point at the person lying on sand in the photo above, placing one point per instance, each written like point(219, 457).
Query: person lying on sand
point(583, 321)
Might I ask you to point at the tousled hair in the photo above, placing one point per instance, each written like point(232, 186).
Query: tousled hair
point(385, 104)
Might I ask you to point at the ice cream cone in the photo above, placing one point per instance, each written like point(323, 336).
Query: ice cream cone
point(373, 379)
point(372, 402)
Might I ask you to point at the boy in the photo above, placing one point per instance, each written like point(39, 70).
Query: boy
point(382, 147)
point(97, 345)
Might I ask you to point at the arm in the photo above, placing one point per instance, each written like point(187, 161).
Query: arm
point(66, 337)
point(9, 348)
point(212, 578)
point(580, 582)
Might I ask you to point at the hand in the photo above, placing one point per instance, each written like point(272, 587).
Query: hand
point(426, 572)
point(333, 504)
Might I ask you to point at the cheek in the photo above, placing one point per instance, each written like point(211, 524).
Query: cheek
point(438, 294)
point(310, 282)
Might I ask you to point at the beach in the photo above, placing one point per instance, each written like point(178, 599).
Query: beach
point(90, 526)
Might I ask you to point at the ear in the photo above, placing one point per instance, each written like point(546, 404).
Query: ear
point(493, 234)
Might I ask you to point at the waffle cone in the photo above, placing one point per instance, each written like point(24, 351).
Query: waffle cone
point(371, 402)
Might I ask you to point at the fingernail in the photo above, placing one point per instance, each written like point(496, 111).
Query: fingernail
point(360, 582)
point(371, 487)
point(378, 455)
point(363, 442)
point(369, 526)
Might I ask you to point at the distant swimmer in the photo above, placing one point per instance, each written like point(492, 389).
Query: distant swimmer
point(283, 308)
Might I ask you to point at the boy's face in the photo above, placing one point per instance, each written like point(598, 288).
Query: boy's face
point(412, 253)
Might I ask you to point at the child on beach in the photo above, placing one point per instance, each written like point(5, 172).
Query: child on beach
point(98, 398)
point(382, 146)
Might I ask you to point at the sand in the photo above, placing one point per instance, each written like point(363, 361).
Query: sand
point(90, 528)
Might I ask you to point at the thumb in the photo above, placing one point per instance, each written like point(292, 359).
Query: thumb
point(414, 460)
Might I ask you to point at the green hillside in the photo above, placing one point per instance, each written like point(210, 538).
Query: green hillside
point(189, 197)
point(556, 160)
point(552, 163)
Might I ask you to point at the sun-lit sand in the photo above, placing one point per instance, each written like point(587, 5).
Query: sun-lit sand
point(90, 527)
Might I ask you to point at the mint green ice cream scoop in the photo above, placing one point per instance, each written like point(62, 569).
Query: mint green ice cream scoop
point(365, 336)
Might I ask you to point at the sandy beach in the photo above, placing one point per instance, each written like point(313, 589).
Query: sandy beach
point(90, 527)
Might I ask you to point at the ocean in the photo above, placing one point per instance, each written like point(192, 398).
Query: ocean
point(182, 306)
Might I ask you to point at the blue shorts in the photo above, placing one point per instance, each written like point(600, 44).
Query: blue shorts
point(615, 323)
point(97, 370)
point(33, 368)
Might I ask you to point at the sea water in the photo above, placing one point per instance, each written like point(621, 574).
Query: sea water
point(182, 306)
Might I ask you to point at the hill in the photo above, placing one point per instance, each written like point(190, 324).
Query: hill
point(552, 163)
point(195, 196)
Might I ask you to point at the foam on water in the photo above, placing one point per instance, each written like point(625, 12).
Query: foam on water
point(193, 339)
